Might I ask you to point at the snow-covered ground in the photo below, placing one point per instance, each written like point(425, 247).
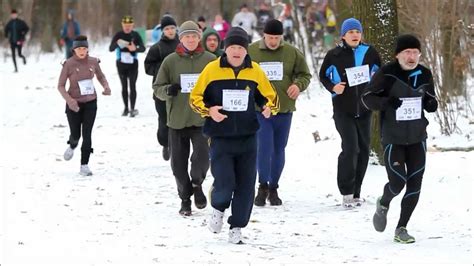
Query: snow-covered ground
point(127, 212)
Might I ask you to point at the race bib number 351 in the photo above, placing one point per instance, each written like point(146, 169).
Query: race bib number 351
point(188, 81)
point(235, 100)
point(410, 109)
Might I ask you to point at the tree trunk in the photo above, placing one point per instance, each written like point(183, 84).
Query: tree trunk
point(380, 25)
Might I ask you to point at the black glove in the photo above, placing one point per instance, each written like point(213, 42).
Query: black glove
point(430, 105)
point(394, 102)
point(173, 89)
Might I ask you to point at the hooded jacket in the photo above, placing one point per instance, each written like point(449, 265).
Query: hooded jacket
point(210, 31)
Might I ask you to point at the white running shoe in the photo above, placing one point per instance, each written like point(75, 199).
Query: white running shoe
point(235, 236)
point(359, 202)
point(85, 171)
point(68, 153)
point(216, 221)
point(348, 201)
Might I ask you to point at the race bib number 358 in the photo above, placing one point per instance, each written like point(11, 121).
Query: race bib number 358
point(188, 81)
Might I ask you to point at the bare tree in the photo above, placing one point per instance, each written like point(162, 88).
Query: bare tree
point(380, 25)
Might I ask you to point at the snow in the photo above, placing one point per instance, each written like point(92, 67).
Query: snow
point(127, 212)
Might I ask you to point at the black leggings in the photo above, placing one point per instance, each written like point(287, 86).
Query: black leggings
point(405, 164)
point(128, 72)
point(84, 118)
point(162, 132)
point(18, 47)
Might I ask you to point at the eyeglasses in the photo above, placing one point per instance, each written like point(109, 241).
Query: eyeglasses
point(415, 53)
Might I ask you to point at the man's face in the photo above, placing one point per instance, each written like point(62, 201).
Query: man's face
point(170, 32)
point(272, 41)
point(212, 43)
point(127, 27)
point(235, 55)
point(13, 15)
point(352, 37)
point(190, 41)
point(409, 58)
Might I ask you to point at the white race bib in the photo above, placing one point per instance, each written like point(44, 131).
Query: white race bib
point(187, 82)
point(126, 58)
point(218, 27)
point(235, 100)
point(86, 86)
point(273, 70)
point(410, 109)
point(358, 75)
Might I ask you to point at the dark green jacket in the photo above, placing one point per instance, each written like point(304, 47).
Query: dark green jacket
point(206, 34)
point(180, 62)
point(295, 69)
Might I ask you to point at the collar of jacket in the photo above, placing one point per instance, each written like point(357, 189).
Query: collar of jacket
point(166, 39)
point(182, 51)
point(224, 63)
point(263, 46)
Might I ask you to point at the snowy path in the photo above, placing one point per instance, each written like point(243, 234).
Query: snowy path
point(127, 211)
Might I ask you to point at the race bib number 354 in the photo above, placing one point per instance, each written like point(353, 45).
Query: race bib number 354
point(358, 75)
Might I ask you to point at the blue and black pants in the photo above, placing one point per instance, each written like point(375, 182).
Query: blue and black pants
point(234, 169)
point(272, 140)
point(405, 165)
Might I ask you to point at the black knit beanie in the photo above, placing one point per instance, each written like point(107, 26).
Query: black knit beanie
point(273, 27)
point(407, 41)
point(167, 21)
point(236, 35)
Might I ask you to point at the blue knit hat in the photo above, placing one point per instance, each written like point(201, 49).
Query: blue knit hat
point(350, 24)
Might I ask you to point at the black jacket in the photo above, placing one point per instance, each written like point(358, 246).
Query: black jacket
point(333, 71)
point(132, 37)
point(15, 30)
point(157, 53)
point(392, 81)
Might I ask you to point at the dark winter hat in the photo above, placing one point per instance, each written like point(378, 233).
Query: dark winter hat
point(238, 36)
point(407, 41)
point(14, 11)
point(201, 19)
point(167, 21)
point(127, 19)
point(189, 27)
point(350, 24)
point(273, 27)
point(80, 41)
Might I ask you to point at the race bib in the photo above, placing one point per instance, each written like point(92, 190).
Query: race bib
point(126, 58)
point(235, 100)
point(188, 81)
point(86, 86)
point(358, 75)
point(273, 70)
point(219, 27)
point(410, 109)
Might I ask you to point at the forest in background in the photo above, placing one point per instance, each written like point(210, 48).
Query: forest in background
point(445, 27)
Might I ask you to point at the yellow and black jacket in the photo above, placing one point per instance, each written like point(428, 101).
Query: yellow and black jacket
point(219, 75)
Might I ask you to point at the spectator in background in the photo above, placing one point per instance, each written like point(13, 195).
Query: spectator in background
point(15, 31)
point(202, 23)
point(222, 27)
point(69, 32)
point(246, 20)
point(263, 15)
